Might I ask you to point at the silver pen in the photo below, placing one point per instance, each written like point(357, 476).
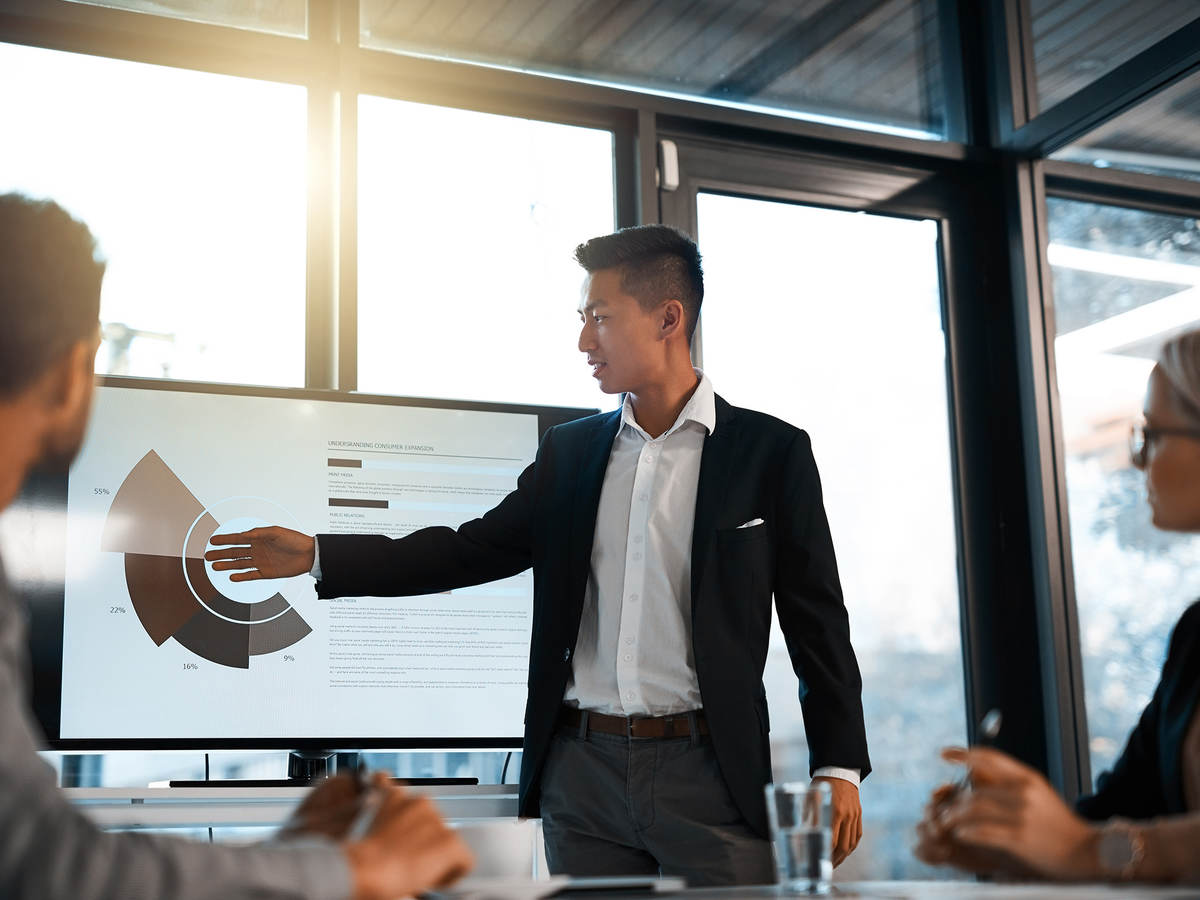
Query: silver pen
point(371, 799)
point(989, 728)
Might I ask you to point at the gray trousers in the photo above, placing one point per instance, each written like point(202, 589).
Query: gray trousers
point(613, 805)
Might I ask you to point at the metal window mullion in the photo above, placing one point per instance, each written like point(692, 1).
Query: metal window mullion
point(1116, 187)
point(649, 212)
point(955, 43)
point(635, 163)
point(625, 175)
point(1058, 640)
point(988, 427)
point(1025, 77)
point(321, 293)
point(350, 57)
point(1013, 77)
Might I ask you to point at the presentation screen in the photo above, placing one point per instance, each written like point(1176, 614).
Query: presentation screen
point(141, 643)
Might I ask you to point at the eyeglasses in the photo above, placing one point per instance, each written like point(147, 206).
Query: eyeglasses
point(1141, 436)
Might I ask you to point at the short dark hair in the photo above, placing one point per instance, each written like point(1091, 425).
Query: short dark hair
point(49, 287)
point(656, 263)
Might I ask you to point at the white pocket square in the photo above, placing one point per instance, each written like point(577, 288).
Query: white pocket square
point(751, 523)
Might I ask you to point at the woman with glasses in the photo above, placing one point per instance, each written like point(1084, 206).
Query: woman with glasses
point(1143, 822)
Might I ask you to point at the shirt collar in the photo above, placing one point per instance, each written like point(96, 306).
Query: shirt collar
point(701, 408)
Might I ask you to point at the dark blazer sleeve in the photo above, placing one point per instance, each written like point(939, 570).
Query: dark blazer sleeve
point(1135, 786)
point(497, 545)
point(812, 616)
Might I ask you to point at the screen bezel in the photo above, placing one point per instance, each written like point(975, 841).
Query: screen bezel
point(44, 597)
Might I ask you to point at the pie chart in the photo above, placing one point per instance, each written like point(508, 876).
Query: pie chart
point(162, 530)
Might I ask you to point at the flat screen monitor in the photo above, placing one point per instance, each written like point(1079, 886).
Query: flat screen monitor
point(137, 642)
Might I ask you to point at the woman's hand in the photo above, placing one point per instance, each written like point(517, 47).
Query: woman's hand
point(1010, 821)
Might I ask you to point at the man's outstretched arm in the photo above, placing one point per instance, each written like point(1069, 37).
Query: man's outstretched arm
point(430, 560)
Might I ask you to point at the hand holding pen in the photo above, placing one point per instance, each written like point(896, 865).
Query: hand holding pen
point(934, 842)
point(395, 843)
point(398, 845)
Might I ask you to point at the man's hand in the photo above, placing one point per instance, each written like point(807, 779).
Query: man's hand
point(328, 809)
point(1010, 821)
point(408, 850)
point(846, 819)
point(270, 552)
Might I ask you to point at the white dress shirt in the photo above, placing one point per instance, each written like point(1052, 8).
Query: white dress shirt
point(634, 652)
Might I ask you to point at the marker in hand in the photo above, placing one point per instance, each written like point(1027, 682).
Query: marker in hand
point(370, 799)
point(989, 730)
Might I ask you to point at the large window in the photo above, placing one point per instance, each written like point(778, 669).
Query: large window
point(1159, 136)
point(796, 325)
point(195, 186)
point(869, 64)
point(1124, 280)
point(1077, 41)
point(467, 225)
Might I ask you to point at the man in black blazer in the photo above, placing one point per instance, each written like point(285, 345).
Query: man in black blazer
point(657, 535)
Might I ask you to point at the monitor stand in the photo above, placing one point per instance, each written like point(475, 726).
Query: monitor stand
point(306, 767)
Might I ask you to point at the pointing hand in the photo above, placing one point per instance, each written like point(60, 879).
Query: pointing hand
point(270, 552)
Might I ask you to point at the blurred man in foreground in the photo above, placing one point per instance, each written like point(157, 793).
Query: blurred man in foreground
point(49, 307)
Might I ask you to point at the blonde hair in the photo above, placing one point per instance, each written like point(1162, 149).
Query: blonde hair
point(1179, 361)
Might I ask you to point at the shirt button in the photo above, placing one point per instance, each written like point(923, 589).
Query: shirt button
point(628, 657)
point(629, 640)
point(633, 598)
point(629, 695)
point(650, 458)
point(637, 538)
point(636, 557)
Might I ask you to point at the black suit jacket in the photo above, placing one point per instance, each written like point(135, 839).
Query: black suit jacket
point(752, 466)
point(1147, 780)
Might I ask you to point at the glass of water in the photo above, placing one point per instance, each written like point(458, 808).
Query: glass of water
point(800, 815)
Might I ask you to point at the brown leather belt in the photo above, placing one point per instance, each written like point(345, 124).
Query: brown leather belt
point(674, 726)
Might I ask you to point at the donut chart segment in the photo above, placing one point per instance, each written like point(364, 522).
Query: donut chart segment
point(278, 634)
point(162, 530)
point(151, 512)
point(160, 594)
point(217, 640)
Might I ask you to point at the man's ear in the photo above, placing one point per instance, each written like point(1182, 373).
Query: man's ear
point(673, 320)
point(66, 388)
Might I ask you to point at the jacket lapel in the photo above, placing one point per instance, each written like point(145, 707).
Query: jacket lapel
point(586, 502)
point(712, 488)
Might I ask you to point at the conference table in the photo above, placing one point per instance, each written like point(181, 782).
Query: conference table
point(507, 848)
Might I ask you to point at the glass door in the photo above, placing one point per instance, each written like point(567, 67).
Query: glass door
point(831, 319)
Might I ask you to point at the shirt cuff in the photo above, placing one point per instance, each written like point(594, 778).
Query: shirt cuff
point(854, 776)
point(315, 571)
